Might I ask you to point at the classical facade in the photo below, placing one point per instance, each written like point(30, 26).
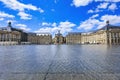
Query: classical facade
point(73, 38)
point(58, 39)
point(10, 35)
point(98, 37)
point(109, 34)
point(41, 38)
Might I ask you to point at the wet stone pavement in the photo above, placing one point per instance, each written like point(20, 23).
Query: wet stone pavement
point(60, 62)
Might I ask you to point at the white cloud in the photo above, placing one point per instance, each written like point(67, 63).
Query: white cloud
point(103, 6)
point(94, 11)
point(12, 21)
point(66, 26)
point(23, 27)
point(46, 24)
point(53, 27)
point(94, 16)
point(24, 15)
point(112, 7)
point(99, 8)
point(114, 19)
point(91, 23)
point(1, 19)
point(86, 25)
point(90, 11)
point(16, 5)
point(54, 24)
point(46, 29)
point(6, 15)
point(79, 3)
point(40, 10)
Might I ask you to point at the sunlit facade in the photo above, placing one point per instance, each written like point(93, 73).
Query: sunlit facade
point(41, 38)
point(10, 35)
point(109, 34)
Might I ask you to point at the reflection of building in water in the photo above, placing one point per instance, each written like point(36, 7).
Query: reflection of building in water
point(41, 38)
point(10, 35)
point(58, 39)
point(109, 34)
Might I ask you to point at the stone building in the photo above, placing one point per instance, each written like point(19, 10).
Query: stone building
point(58, 39)
point(98, 37)
point(41, 38)
point(10, 35)
point(73, 38)
point(109, 34)
point(112, 34)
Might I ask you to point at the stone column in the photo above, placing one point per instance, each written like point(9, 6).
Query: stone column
point(9, 36)
point(3, 37)
point(0, 37)
point(110, 38)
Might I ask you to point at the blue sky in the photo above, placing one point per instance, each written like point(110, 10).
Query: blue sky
point(65, 15)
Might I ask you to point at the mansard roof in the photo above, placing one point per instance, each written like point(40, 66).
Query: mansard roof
point(38, 34)
point(107, 27)
point(43, 33)
point(110, 27)
point(10, 28)
point(73, 33)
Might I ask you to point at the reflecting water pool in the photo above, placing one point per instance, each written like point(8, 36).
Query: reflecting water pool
point(60, 62)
